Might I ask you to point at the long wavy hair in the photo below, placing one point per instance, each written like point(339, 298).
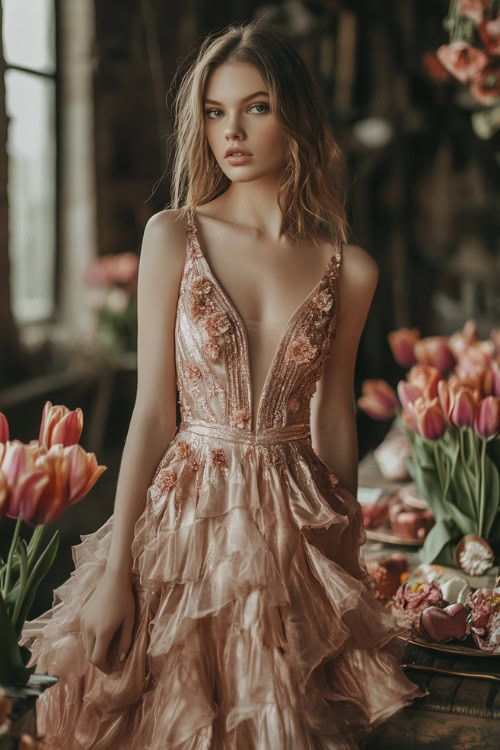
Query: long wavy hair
point(312, 191)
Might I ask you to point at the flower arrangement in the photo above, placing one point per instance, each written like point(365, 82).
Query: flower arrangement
point(37, 482)
point(449, 406)
point(112, 294)
point(472, 57)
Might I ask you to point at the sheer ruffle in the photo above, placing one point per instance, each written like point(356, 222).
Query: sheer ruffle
point(250, 630)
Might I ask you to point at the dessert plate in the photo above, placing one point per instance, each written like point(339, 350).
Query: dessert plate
point(384, 534)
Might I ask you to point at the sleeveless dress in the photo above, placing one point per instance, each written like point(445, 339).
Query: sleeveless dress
point(255, 628)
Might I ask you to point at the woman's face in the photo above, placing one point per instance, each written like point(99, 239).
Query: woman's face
point(238, 116)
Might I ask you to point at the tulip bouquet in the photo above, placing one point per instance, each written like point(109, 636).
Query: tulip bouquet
point(472, 57)
point(112, 294)
point(449, 406)
point(37, 482)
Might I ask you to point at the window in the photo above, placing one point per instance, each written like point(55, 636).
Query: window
point(29, 43)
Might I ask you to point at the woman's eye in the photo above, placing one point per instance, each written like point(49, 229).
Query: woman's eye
point(209, 113)
point(265, 107)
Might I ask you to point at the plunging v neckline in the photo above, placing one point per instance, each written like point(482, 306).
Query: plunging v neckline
point(236, 313)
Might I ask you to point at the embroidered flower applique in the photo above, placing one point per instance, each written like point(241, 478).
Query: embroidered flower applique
point(323, 300)
point(193, 372)
point(217, 324)
point(166, 480)
point(242, 418)
point(183, 449)
point(294, 404)
point(194, 465)
point(200, 303)
point(211, 348)
point(219, 458)
point(201, 286)
point(300, 350)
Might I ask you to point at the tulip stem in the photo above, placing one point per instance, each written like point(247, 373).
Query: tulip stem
point(13, 546)
point(439, 466)
point(464, 464)
point(483, 487)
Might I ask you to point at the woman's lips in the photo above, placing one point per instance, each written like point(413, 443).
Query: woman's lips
point(233, 159)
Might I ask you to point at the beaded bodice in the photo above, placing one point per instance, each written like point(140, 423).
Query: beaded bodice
point(212, 350)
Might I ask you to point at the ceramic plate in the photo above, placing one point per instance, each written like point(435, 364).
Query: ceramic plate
point(384, 534)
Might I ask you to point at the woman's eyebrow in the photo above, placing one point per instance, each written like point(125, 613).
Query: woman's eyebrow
point(245, 98)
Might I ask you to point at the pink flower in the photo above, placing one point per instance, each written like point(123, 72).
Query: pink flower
point(4, 428)
point(193, 372)
point(217, 324)
point(429, 416)
point(463, 408)
point(487, 417)
point(473, 9)
point(201, 285)
point(300, 350)
point(484, 619)
point(219, 457)
point(490, 34)
point(60, 425)
point(211, 348)
point(242, 418)
point(196, 309)
point(378, 399)
point(435, 352)
point(323, 300)
point(194, 465)
point(425, 378)
point(462, 59)
point(412, 598)
point(407, 392)
point(294, 404)
point(402, 343)
point(183, 449)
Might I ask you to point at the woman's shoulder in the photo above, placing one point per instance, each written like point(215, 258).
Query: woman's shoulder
point(359, 270)
point(165, 236)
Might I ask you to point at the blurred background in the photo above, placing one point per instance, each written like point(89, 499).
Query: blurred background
point(413, 90)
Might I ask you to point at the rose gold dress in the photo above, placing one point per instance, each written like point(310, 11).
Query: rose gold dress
point(254, 627)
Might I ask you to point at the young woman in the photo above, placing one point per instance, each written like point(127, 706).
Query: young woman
point(229, 576)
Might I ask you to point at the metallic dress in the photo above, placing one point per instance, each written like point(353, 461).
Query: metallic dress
point(255, 626)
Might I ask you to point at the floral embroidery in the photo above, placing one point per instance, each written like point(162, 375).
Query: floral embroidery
point(310, 387)
point(294, 404)
point(323, 300)
point(166, 479)
point(201, 286)
point(300, 350)
point(242, 418)
point(194, 465)
point(183, 449)
point(333, 479)
point(211, 348)
point(217, 324)
point(219, 457)
point(193, 372)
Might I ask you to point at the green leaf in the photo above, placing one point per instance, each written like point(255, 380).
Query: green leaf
point(440, 535)
point(13, 657)
point(38, 573)
point(492, 496)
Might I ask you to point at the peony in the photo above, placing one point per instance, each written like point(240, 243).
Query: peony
point(300, 350)
point(412, 598)
point(484, 619)
point(217, 324)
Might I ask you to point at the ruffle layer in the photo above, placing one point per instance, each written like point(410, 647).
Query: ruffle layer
point(253, 628)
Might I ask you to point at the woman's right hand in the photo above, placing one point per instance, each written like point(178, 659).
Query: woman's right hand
point(111, 606)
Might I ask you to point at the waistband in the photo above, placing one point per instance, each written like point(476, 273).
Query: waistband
point(267, 435)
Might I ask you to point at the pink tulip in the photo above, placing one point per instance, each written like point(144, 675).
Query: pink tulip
point(425, 378)
point(495, 337)
point(4, 493)
point(458, 342)
point(379, 400)
point(430, 419)
point(84, 472)
point(16, 460)
point(489, 31)
point(463, 408)
point(435, 352)
point(487, 417)
point(410, 417)
point(4, 428)
point(407, 392)
point(60, 425)
point(402, 343)
point(54, 497)
point(472, 9)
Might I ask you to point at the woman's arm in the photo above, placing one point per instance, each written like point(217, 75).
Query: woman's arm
point(153, 421)
point(333, 414)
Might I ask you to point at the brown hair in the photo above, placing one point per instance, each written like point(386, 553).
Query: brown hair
point(312, 190)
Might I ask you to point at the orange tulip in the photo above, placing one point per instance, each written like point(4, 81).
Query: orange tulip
point(60, 425)
point(460, 341)
point(84, 472)
point(4, 493)
point(495, 369)
point(379, 400)
point(4, 428)
point(425, 378)
point(402, 343)
point(487, 417)
point(434, 351)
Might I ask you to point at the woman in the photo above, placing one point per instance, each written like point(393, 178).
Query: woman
point(229, 576)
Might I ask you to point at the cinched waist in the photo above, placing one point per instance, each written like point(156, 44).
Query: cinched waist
point(267, 435)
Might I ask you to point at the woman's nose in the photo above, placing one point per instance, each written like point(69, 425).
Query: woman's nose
point(233, 129)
